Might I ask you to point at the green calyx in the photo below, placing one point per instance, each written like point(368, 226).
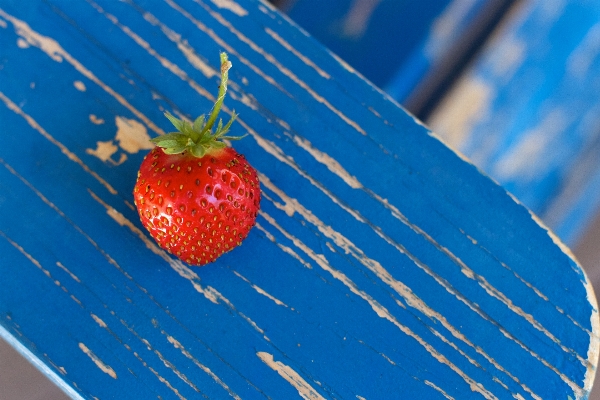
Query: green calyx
point(198, 137)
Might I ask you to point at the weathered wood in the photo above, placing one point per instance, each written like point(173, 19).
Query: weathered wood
point(382, 266)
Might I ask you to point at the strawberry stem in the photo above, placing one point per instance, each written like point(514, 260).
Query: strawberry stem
point(198, 138)
point(225, 65)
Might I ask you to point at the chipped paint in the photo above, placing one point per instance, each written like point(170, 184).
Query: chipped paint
point(464, 268)
point(97, 319)
point(305, 390)
point(99, 363)
point(224, 44)
point(245, 98)
point(173, 68)
point(286, 249)
point(594, 350)
point(231, 6)
point(165, 362)
point(121, 220)
point(72, 275)
point(70, 155)
point(26, 254)
point(410, 298)
point(56, 52)
point(161, 378)
point(183, 46)
point(105, 150)
point(22, 43)
point(183, 271)
point(380, 310)
point(96, 120)
point(331, 164)
point(286, 45)
point(343, 63)
point(289, 208)
point(79, 86)
point(260, 291)
point(375, 112)
point(76, 300)
point(492, 291)
point(438, 389)
point(203, 367)
point(131, 137)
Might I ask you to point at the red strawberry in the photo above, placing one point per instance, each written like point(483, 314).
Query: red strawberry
point(197, 197)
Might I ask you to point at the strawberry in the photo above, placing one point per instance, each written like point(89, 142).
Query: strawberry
point(197, 197)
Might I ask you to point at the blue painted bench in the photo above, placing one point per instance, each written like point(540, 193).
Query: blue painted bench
point(383, 265)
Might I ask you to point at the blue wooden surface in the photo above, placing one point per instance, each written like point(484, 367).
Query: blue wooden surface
point(382, 265)
point(526, 112)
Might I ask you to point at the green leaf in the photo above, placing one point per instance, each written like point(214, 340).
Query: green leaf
point(199, 123)
point(198, 150)
point(186, 127)
point(219, 127)
point(234, 137)
point(218, 145)
point(175, 149)
point(226, 127)
point(177, 123)
point(189, 131)
point(174, 139)
point(206, 140)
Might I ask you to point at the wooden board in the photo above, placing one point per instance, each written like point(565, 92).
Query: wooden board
point(383, 265)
